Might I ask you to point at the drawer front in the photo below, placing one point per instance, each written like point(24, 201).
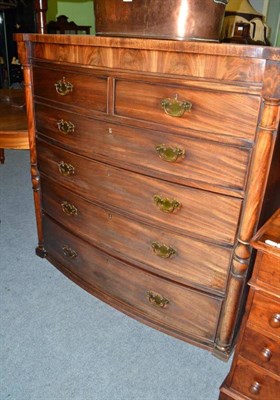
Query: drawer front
point(268, 269)
point(171, 306)
point(167, 205)
point(265, 314)
point(254, 383)
point(88, 92)
point(262, 350)
point(226, 113)
point(170, 255)
point(175, 158)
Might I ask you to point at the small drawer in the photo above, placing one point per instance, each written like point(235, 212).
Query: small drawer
point(172, 157)
point(265, 313)
point(261, 350)
point(87, 92)
point(173, 308)
point(175, 207)
point(254, 383)
point(267, 269)
point(167, 254)
point(220, 112)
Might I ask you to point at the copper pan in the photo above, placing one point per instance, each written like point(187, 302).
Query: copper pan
point(169, 19)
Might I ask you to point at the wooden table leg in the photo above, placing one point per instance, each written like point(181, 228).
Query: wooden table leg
point(2, 156)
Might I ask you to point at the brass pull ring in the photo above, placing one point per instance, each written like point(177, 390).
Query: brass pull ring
point(65, 127)
point(157, 299)
point(165, 204)
point(66, 169)
point(168, 153)
point(63, 88)
point(68, 252)
point(274, 320)
point(175, 107)
point(163, 251)
point(69, 208)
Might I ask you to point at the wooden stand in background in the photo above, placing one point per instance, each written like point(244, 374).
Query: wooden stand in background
point(255, 371)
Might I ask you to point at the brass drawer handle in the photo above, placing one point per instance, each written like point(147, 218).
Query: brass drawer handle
point(265, 354)
point(68, 252)
point(66, 169)
point(69, 208)
point(255, 388)
point(65, 127)
point(165, 204)
point(274, 321)
point(63, 87)
point(163, 251)
point(175, 107)
point(157, 299)
point(168, 153)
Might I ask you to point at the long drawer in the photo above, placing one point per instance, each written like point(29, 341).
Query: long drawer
point(77, 89)
point(172, 157)
point(176, 309)
point(232, 114)
point(167, 254)
point(172, 206)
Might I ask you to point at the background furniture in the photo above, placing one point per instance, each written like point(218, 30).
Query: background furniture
point(62, 26)
point(255, 371)
point(13, 121)
point(150, 171)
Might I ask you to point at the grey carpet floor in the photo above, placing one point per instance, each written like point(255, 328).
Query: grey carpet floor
point(57, 342)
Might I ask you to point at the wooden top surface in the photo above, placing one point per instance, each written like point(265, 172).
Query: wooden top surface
point(12, 110)
point(269, 232)
point(227, 49)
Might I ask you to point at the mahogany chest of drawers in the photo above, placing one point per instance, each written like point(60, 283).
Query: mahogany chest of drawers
point(151, 166)
point(255, 371)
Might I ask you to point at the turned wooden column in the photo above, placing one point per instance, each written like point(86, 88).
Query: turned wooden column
point(41, 7)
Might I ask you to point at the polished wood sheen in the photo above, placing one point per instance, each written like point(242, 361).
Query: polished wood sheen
point(152, 212)
point(255, 371)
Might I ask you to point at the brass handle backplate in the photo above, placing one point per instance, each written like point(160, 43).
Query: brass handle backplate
point(69, 208)
point(165, 204)
point(168, 153)
point(65, 127)
point(175, 107)
point(274, 320)
point(63, 87)
point(66, 169)
point(68, 252)
point(255, 388)
point(163, 251)
point(157, 299)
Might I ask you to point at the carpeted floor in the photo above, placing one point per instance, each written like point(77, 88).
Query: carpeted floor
point(57, 342)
